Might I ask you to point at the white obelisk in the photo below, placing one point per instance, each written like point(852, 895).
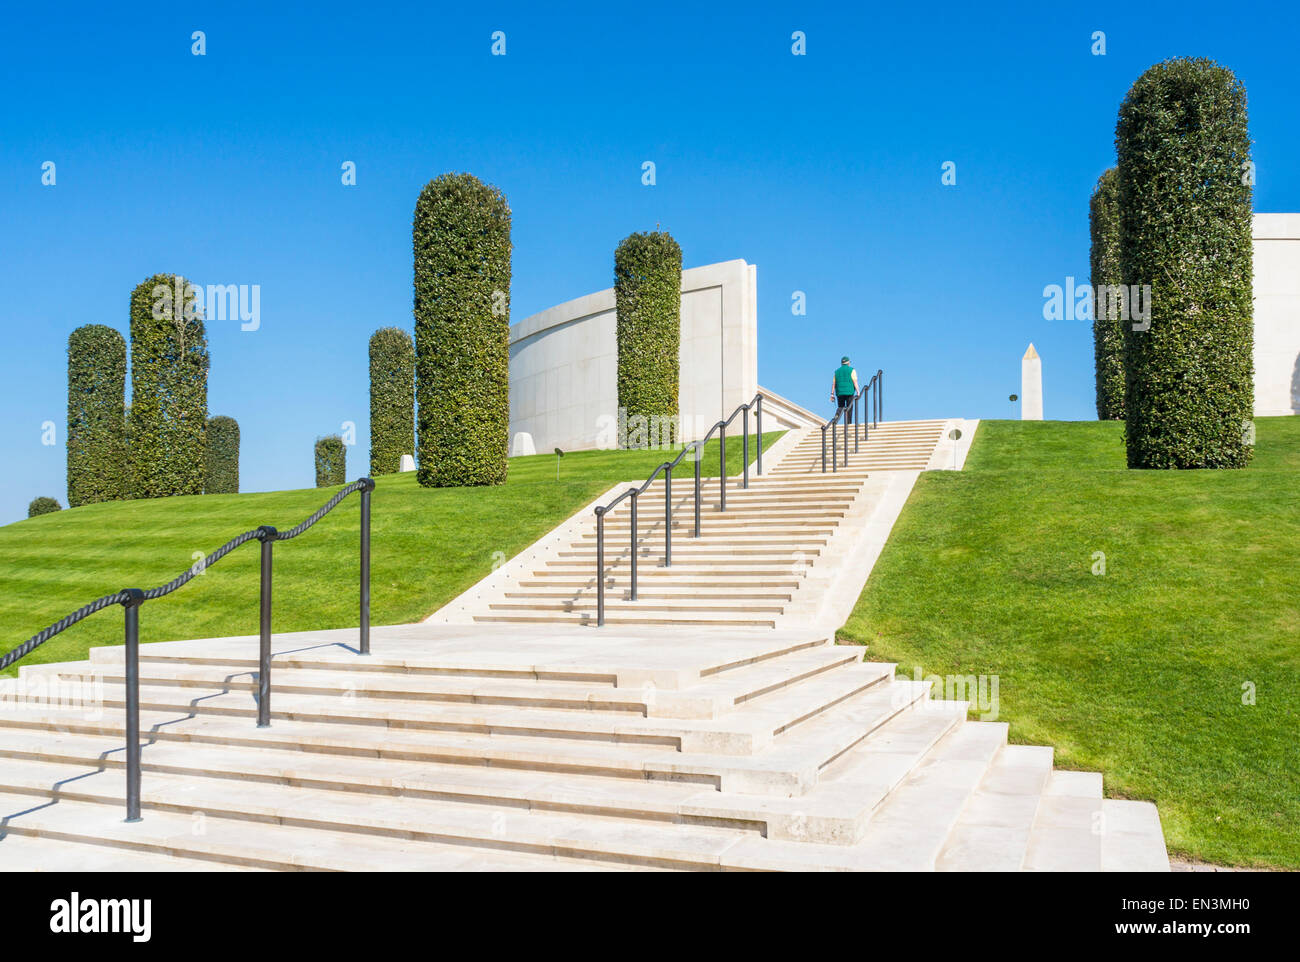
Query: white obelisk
point(1031, 386)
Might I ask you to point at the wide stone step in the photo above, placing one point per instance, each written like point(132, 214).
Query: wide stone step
point(397, 687)
point(788, 766)
point(910, 828)
point(692, 562)
point(281, 845)
point(820, 816)
point(647, 587)
point(589, 604)
point(683, 619)
point(429, 689)
point(709, 539)
point(1075, 830)
point(29, 853)
point(992, 834)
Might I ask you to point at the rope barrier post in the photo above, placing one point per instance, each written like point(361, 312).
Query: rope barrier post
point(699, 456)
point(758, 430)
point(266, 535)
point(744, 450)
point(367, 485)
point(600, 567)
point(134, 598)
point(668, 518)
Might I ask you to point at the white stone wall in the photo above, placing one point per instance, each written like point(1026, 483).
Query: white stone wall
point(564, 360)
point(1277, 314)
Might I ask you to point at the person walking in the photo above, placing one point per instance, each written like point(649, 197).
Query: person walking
point(844, 388)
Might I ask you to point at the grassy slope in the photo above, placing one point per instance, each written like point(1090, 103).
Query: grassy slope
point(1138, 672)
point(429, 545)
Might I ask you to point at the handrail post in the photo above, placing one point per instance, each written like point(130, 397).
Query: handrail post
point(600, 566)
point(857, 421)
point(823, 449)
point(668, 518)
point(847, 413)
point(880, 395)
point(364, 642)
point(835, 446)
point(699, 456)
point(722, 462)
point(634, 552)
point(758, 430)
point(744, 451)
point(266, 535)
point(135, 597)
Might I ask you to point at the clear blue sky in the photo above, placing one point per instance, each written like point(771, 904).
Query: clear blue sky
point(823, 170)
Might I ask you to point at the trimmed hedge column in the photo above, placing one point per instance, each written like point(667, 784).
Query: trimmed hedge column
point(43, 505)
point(461, 246)
point(97, 456)
point(648, 302)
point(222, 475)
point(169, 388)
point(331, 461)
point(392, 399)
point(1107, 332)
point(1185, 229)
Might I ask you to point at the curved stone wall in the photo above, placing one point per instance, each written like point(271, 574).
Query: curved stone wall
point(564, 361)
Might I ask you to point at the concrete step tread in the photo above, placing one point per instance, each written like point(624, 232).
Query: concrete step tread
point(27, 853)
point(992, 834)
point(911, 827)
point(268, 845)
point(788, 765)
point(436, 820)
point(690, 720)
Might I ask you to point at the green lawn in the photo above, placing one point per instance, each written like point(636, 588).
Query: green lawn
point(429, 545)
point(1137, 672)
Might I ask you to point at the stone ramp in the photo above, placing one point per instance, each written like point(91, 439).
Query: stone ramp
point(473, 747)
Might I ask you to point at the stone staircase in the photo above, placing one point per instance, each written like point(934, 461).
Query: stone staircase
point(711, 724)
point(469, 747)
point(752, 564)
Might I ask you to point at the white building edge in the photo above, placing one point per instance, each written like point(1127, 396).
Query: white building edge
point(564, 364)
point(1277, 314)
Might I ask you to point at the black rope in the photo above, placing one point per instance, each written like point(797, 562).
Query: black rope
point(120, 597)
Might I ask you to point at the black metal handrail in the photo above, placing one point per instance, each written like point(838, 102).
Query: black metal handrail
point(852, 414)
point(132, 598)
point(666, 468)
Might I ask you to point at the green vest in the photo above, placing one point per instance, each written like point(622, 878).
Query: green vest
point(844, 380)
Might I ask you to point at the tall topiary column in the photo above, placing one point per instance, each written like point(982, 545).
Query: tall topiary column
point(97, 455)
point(331, 461)
point(222, 471)
point(461, 246)
point(1185, 229)
point(392, 399)
point(169, 388)
point(648, 299)
point(1106, 274)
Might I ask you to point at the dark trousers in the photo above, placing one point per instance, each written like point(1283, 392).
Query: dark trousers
point(845, 401)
